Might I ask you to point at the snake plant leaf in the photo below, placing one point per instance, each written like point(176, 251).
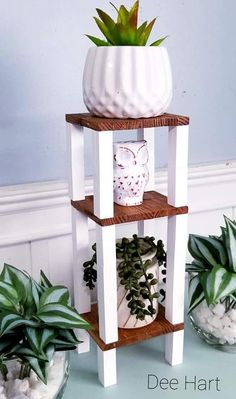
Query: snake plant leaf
point(44, 282)
point(196, 294)
point(217, 283)
point(38, 339)
point(158, 42)
point(61, 316)
point(10, 321)
point(58, 293)
point(230, 242)
point(105, 31)
point(98, 41)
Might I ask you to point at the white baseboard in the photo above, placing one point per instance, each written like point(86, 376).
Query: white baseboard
point(38, 211)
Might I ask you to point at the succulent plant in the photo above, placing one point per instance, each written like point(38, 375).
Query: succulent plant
point(36, 319)
point(125, 30)
point(213, 270)
point(133, 272)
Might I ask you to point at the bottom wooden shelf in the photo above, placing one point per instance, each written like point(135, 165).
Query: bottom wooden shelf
point(159, 327)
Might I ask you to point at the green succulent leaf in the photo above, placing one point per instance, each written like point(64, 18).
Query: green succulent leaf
point(58, 293)
point(159, 41)
point(123, 15)
point(61, 316)
point(147, 32)
point(98, 41)
point(103, 28)
point(196, 294)
point(133, 15)
point(106, 19)
point(230, 242)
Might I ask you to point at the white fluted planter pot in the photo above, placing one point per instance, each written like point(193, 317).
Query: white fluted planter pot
point(127, 81)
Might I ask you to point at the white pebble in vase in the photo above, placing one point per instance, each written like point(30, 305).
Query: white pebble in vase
point(130, 172)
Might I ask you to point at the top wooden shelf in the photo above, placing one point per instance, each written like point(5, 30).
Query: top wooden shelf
point(106, 124)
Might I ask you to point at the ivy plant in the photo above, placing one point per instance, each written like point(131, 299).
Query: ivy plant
point(36, 319)
point(133, 272)
point(124, 31)
point(213, 270)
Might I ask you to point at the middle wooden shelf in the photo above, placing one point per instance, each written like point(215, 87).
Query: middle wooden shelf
point(154, 205)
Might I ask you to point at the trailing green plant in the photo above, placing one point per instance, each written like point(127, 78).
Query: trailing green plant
point(125, 30)
point(133, 272)
point(36, 319)
point(213, 270)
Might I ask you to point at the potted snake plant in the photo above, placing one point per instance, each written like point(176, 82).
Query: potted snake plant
point(124, 77)
point(36, 333)
point(212, 286)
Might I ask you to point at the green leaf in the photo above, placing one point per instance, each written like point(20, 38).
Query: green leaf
point(140, 32)
point(44, 280)
point(133, 15)
point(39, 338)
point(159, 41)
point(18, 279)
point(217, 283)
point(98, 41)
point(105, 31)
point(23, 351)
point(123, 15)
point(106, 19)
point(230, 242)
point(10, 321)
point(39, 367)
point(69, 336)
point(61, 316)
point(196, 266)
point(147, 32)
point(207, 250)
point(8, 296)
point(3, 369)
point(58, 293)
point(196, 294)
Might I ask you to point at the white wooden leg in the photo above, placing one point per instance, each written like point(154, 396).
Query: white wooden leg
point(82, 296)
point(103, 175)
point(75, 148)
point(175, 269)
point(177, 165)
point(107, 367)
point(174, 344)
point(107, 283)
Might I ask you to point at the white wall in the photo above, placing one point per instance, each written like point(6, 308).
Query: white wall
point(43, 49)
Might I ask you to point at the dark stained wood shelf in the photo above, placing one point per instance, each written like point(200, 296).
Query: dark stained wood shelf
point(154, 206)
point(159, 327)
point(106, 124)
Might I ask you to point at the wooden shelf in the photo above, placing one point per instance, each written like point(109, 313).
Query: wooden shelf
point(154, 206)
point(106, 124)
point(131, 336)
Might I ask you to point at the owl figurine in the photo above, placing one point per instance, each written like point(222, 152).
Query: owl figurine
point(130, 172)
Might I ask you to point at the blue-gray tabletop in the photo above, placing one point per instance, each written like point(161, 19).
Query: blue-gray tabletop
point(143, 373)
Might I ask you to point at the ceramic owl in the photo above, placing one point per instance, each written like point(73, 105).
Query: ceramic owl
point(130, 172)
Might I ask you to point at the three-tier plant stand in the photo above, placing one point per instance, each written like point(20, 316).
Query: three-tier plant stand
point(106, 214)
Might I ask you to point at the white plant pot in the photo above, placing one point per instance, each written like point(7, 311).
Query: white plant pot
point(125, 319)
point(127, 81)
